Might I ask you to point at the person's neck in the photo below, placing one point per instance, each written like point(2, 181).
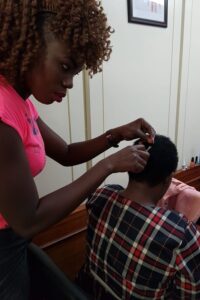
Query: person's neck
point(141, 193)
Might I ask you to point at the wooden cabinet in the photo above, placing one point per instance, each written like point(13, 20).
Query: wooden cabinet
point(190, 176)
point(65, 242)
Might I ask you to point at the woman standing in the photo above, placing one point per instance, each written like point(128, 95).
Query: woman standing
point(43, 45)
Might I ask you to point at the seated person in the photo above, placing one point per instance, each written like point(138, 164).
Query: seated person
point(135, 249)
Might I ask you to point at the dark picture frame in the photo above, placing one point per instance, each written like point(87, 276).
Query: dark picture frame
point(148, 12)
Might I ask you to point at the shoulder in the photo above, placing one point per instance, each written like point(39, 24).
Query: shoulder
point(188, 253)
point(107, 190)
point(191, 235)
point(12, 110)
point(7, 97)
point(101, 195)
point(184, 231)
point(172, 222)
point(112, 188)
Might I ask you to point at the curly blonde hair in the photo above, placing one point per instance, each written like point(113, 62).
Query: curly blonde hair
point(81, 23)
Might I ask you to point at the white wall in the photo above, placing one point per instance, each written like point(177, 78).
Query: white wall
point(141, 78)
point(137, 79)
point(153, 73)
point(67, 119)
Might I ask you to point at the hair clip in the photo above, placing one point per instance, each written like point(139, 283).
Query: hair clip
point(148, 148)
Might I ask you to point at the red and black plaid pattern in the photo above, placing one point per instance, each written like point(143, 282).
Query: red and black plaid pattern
point(141, 252)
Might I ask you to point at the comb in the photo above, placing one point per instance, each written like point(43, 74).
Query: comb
point(148, 148)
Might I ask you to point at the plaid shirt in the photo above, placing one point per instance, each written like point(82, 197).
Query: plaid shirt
point(141, 252)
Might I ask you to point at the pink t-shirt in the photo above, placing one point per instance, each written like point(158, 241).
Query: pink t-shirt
point(22, 116)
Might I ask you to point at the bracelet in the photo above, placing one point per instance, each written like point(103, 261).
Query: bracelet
point(111, 141)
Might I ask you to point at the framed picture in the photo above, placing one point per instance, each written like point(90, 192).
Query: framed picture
point(148, 12)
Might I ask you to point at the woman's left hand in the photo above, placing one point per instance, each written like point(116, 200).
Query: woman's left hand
point(136, 129)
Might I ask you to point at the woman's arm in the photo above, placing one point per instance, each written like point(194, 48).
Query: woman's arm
point(76, 153)
point(19, 201)
point(73, 154)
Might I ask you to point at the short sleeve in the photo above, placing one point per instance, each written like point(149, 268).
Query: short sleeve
point(12, 110)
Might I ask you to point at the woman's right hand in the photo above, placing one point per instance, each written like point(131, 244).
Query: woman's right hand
point(131, 158)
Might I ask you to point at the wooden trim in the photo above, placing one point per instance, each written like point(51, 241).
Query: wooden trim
point(73, 224)
point(65, 243)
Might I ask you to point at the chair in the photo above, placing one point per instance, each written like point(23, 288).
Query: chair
point(48, 282)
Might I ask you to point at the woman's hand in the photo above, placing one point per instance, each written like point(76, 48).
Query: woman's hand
point(131, 158)
point(136, 129)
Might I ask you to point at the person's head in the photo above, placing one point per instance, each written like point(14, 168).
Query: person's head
point(43, 44)
point(161, 164)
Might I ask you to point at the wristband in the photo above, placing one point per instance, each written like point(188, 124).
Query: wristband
point(112, 141)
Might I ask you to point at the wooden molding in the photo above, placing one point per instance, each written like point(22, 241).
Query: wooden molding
point(73, 224)
point(65, 243)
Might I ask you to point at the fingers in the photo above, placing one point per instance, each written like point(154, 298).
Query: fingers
point(138, 167)
point(139, 128)
point(149, 131)
point(140, 158)
point(145, 131)
point(132, 158)
point(136, 129)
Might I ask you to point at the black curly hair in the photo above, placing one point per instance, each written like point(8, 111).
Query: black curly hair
point(81, 23)
point(162, 162)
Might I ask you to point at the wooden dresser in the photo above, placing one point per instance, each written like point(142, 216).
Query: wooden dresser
point(190, 176)
point(65, 241)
